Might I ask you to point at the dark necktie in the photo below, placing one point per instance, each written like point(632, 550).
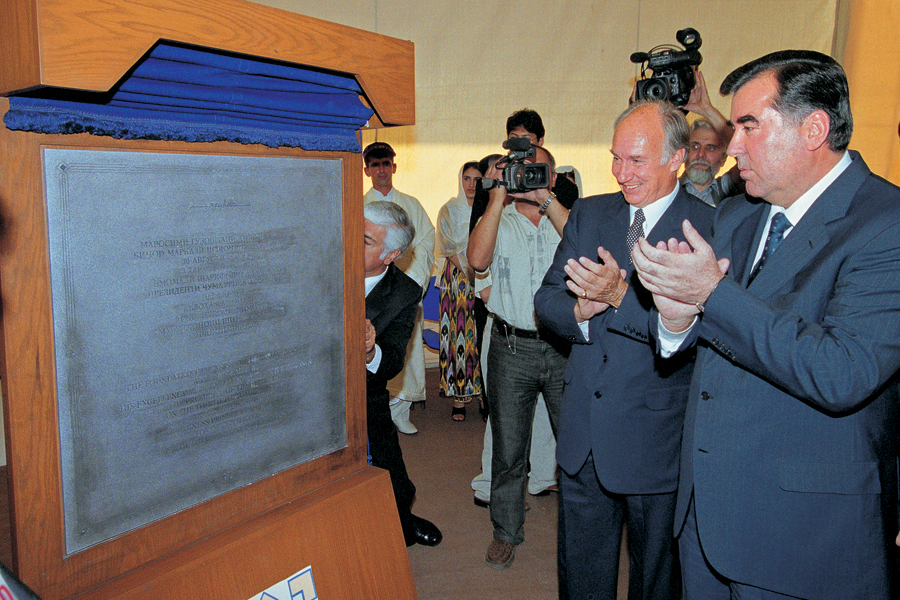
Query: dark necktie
point(635, 232)
point(779, 225)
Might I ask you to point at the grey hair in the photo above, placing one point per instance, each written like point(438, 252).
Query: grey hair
point(675, 127)
point(399, 230)
point(702, 124)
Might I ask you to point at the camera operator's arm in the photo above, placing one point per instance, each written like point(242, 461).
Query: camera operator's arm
point(700, 104)
point(483, 239)
point(555, 211)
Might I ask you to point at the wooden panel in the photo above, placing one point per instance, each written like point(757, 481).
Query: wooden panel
point(27, 371)
point(91, 44)
point(349, 532)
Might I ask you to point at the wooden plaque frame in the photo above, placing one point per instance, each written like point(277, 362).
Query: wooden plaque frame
point(333, 513)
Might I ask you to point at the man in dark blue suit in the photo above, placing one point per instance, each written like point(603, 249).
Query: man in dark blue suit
point(392, 300)
point(789, 463)
point(623, 407)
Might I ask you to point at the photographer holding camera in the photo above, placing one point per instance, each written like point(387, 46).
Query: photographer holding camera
point(676, 79)
point(709, 139)
point(516, 238)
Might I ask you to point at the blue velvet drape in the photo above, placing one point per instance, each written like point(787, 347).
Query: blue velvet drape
point(195, 95)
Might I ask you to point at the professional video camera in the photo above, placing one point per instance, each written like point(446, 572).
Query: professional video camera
point(519, 176)
point(673, 76)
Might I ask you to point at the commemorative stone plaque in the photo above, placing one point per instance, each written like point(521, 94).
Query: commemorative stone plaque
point(198, 327)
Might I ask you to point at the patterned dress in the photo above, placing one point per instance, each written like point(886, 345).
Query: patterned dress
point(460, 367)
point(459, 356)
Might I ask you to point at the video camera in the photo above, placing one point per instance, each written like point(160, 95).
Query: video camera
point(519, 176)
point(673, 75)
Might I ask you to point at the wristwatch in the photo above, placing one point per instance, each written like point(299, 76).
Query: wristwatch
point(547, 202)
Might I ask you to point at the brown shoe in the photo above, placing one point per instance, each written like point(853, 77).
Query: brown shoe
point(500, 554)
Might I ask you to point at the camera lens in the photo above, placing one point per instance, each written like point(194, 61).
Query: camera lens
point(656, 89)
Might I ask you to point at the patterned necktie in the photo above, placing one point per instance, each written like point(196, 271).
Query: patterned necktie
point(779, 225)
point(635, 232)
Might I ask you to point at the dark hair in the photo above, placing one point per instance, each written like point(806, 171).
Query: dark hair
point(377, 150)
point(807, 81)
point(473, 164)
point(527, 118)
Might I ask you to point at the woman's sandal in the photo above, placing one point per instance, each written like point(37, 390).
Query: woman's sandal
point(458, 414)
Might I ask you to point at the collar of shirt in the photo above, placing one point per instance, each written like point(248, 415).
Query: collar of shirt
point(653, 212)
point(389, 196)
point(802, 204)
point(371, 282)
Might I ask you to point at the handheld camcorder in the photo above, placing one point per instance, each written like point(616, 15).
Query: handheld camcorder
point(519, 176)
point(673, 75)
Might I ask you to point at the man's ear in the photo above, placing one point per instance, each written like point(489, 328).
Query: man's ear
point(366, 171)
point(677, 159)
point(392, 256)
point(816, 127)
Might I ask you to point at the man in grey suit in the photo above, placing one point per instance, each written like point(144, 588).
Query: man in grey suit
point(622, 408)
point(788, 484)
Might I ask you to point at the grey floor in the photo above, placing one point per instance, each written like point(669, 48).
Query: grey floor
point(442, 459)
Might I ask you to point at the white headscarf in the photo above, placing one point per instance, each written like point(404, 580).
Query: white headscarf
point(452, 231)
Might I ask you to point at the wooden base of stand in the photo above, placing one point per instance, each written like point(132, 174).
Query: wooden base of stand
point(348, 532)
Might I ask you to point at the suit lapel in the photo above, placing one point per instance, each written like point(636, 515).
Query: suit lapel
point(616, 225)
point(378, 298)
point(742, 243)
point(669, 225)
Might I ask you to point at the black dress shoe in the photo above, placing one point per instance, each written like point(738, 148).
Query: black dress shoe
point(419, 531)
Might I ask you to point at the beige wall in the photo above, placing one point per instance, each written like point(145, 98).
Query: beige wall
point(476, 62)
point(870, 58)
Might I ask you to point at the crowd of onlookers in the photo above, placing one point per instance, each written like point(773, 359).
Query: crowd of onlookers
point(734, 405)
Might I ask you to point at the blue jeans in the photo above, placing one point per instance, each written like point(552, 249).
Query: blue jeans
point(518, 370)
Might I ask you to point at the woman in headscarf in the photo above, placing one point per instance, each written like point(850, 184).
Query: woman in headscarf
point(460, 368)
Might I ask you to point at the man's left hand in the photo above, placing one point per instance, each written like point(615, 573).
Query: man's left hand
point(688, 276)
point(597, 285)
point(370, 341)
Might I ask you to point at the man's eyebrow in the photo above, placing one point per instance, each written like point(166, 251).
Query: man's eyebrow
point(747, 119)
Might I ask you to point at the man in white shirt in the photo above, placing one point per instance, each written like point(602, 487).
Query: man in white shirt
point(516, 238)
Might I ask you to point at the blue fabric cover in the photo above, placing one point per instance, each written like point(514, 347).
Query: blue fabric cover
point(193, 95)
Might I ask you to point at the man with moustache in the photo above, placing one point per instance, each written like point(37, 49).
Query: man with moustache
point(788, 481)
point(623, 408)
point(710, 134)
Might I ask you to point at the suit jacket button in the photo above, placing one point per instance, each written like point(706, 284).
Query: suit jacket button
point(704, 396)
point(598, 395)
point(605, 358)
